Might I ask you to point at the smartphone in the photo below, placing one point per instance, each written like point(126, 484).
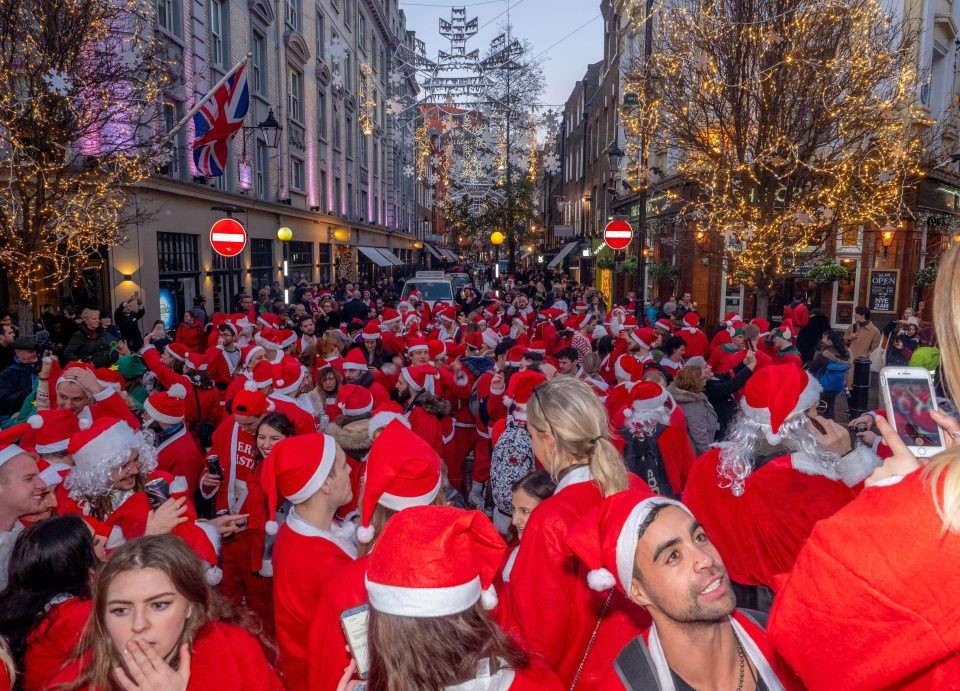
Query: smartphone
point(909, 396)
point(354, 623)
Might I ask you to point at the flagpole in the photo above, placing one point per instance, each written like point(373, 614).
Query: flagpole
point(199, 104)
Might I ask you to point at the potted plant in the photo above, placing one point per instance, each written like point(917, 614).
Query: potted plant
point(630, 264)
point(605, 259)
point(828, 271)
point(663, 271)
point(927, 276)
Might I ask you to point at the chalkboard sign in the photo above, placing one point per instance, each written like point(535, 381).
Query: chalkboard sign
point(884, 285)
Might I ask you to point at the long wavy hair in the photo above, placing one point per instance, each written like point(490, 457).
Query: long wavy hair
point(52, 559)
point(577, 420)
point(170, 555)
point(448, 650)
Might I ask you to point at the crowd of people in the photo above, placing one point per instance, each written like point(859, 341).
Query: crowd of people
point(527, 488)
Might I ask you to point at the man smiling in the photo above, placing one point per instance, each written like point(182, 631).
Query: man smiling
point(657, 553)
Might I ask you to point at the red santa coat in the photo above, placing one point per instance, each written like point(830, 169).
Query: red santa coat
point(167, 378)
point(180, 456)
point(696, 340)
point(53, 642)
point(223, 657)
point(219, 367)
point(326, 645)
point(719, 338)
point(428, 427)
point(760, 533)
point(871, 601)
point(546, 571)
point(304, 557)
point(192, 337)
point(303, 422)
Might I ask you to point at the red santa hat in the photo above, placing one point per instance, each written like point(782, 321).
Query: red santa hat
point(777, 393)
point(197, 362)
point(415, 344)
point(262, 374)
point(177, 351)
point(113, 378)
point(411, 319)
point(735, 329)
point(630, 322)
point(475, 340)
point(353, 400)
point(537, 346)
point(691, 319)
point(580, 306)
point(101, 446)
point(664, 323)
point(415, 295)
point(521, 387)
point(241, 319)
point(226, 322)
point(515, 355)
point(384, 414)
point(270, 320)
point(449, 314)
point(48, 473)
point(731, 317)
point(297, 466)
point(572, 322)
point(8, 449)
point(434, 561)
point(276, 339)
point(402, 471)
point(454, 350)
point(167, 406)
point(246, 354)
point(389, 316)
point(288, 376)
point(403, 306)
point(250, 401)
point(421, 378)
point(489, 338)
point(355, 360)
point(371, 332)
point(51, 431)
point(645, 338)
point(434, 348)
point(606, 538)
point(628, 368)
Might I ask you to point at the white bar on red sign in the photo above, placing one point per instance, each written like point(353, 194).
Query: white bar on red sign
point(227, 237)
point(618, 234)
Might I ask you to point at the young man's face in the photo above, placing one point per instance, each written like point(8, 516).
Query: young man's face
point(566, 366)
point(678, 574)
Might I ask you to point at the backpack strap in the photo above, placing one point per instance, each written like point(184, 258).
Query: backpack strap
point(756, 617)
point(635, 667)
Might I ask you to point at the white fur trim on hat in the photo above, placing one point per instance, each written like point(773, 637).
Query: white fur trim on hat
point(808, 398)
point(423, 602)
point(355, 412)
point(35, 421)
point(158, 416)
point(365, 534)
point(382, 419)
point(488, 597)
point(397, 503)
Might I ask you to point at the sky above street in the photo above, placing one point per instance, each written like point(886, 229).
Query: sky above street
point(568, 33)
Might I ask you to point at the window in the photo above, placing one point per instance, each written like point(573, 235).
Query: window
point(337, 201)
point(322, 114)
point(217, 51)
point(322, 201)
point(347, 13)
point(347, 74)
point(263, 170)
point(362, 31)
point(336, 130)
point(293, 14)
point(261, 263)
point(169, 16)
point(362, 211)
point(376, 159)
point(296, 173)
point(299, 257)
point(171, 116)
point(321, 36)
point(348, 135)
point(259, 50)
point(295, 94)
point(350, 202)
point(177, 253)
point(362, 148)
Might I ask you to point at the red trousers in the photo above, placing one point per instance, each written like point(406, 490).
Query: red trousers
point(241, 584)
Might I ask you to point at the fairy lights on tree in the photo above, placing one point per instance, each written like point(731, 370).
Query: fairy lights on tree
point(80, 87)
point(794, 119)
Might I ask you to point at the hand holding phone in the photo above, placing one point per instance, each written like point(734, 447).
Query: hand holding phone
point(910, 400)
point(354, 622)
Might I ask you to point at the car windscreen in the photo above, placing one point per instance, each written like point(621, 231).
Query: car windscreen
point(430, 290)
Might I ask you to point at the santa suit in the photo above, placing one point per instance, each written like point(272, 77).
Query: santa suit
point(241, 492)
point(760, 533)
point(719, 339)
point(304, 557)
point(552, 606)
point(53, 641)
point(788, 356)
point(303, 422)
point(167, 378)
point(180, 455)
point(427, 426)
point(696, 340)
point(327, 655)
point(457, 388)
point(219, 368)
point(223, 657)
point(718, 354)
point(875, 587)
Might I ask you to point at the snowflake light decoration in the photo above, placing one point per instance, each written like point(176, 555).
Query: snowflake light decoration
point(432, 179)
point(337, 49)
point(58, 83)
point(408, 171)
point(435, 161)
point(396, 77)
point(337, 80)
point(551, 164)
point(394, 106)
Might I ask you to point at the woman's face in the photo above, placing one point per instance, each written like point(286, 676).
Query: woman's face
point(523, 505)
point(143, 605)
point(255, 359)
point(328, 382)
point(267, 436)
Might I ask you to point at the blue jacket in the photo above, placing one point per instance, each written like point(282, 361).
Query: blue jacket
point(16, 383)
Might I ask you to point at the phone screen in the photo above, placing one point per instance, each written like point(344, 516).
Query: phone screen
point(354, 623)
point(912, 401)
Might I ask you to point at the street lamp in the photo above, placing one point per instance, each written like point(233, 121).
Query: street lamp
point(496, 239)
point(887, 233)
point(615, 154)
point(270, 129)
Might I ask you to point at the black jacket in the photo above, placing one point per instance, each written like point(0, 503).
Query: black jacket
point(87, 347)
point(16, 383)
point(129, 328)
point(720, 392)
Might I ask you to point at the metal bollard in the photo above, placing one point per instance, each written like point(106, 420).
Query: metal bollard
point(860, 391)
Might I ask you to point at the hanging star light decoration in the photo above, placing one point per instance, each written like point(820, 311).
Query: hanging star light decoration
point(337, 49)
point(57, 83)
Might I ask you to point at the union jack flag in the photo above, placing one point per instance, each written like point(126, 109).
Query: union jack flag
point(217, 122)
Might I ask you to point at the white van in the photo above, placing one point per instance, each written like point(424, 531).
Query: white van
point(434, 287)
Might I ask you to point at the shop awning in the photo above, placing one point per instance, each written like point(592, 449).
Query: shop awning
point(394, 259)
point(432, 250)
point(449, 255)
point(562, 254)
point(374, 255)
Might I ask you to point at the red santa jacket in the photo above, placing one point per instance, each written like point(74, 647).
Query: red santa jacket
point(696, 340)
point(223, 657)
point(219, 368)
point(304, 558)
point(760, 533)
point(327, 655)
point(874, 584)
point(303, 422)
point(110, 404)
point(192, 337)
point(53, 642)
point(167, 378)
point(180, 455)
point(547, 571)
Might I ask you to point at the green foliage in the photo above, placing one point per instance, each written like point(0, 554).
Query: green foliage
point(663, 271)
point(630, 264)
point(927, 276)
point(829, 271)
point(605, 259)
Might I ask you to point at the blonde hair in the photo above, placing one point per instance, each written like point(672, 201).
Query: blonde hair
point(946, 314)
point(574, 416)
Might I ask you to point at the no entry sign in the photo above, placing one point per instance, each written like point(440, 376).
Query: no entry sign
point(227, 237)
point(617, 234)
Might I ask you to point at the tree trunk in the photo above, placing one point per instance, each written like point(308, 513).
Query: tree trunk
point(763, 302)
point(24, 308)
point(512, 267)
